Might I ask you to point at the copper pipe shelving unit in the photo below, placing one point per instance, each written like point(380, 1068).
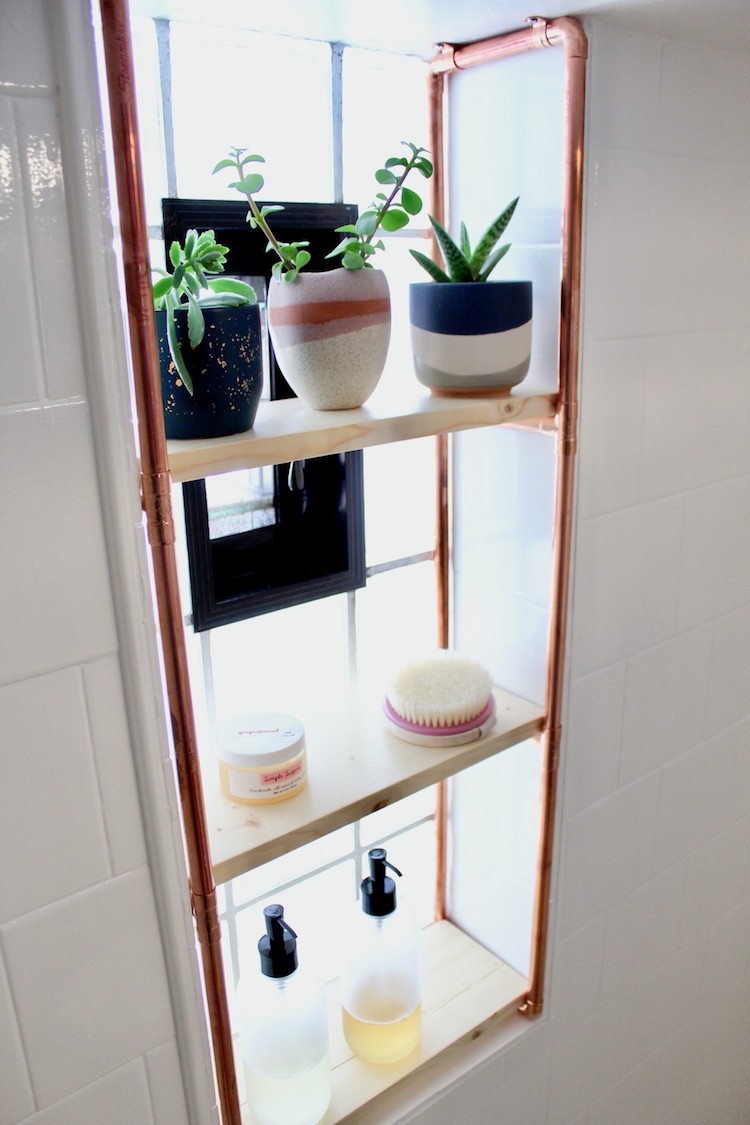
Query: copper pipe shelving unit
point(156, 479)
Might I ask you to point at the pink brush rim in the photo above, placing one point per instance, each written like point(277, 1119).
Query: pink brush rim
point(455, 728)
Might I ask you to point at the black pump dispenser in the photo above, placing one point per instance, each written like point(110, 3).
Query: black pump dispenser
point(278, 946)
point(378, 891)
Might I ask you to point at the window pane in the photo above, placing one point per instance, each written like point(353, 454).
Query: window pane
point(394, 817)
point(396, 616)
point(261, 881)
point(150, 120)
point(239, 502)
point(400, 500)
point(248, 103)
point(385, 101)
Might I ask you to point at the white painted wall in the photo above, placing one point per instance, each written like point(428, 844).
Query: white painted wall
point(648, 1018)
point(92, 878)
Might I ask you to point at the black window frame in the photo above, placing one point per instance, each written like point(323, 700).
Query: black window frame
point(315, 547)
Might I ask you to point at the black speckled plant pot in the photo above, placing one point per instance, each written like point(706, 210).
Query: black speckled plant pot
point(227, 373)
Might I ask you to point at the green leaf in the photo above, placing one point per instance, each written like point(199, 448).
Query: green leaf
point(432, 268)
point(225, 163)
point(425, 167)
point(492, 262)
point(410, 201)
point(176, 354)
point(491, 236)
point(251, 158)
point(348, 229)
point(270, 209)
point(250, 184)
point(394, 220)
point(233, 285)
point(303, 258)
point(276, 269)
point(196, 323)
point(396, 162)
point(175, 253)
point(190, 241)
point(191, 283)
point(458, 267)
point(383, 176)
point(290, 275)
point(465, 244)
point(352, 261)
point(367, 223)
point(162, 286)
point(178, 275)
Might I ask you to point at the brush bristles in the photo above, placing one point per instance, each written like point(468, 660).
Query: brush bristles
point(440, 691)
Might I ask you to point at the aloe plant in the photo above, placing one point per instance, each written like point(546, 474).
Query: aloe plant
point(461, 263)
point(192, 285)
point(389, 211)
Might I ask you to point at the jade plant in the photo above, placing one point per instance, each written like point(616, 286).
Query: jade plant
point(192, 285)
point(461, 263)
point(389, 211)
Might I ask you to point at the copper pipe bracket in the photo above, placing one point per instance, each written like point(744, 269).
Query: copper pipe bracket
point(156, 491)
point(530, 1008)
point(206, 914)
point(539, 25)
point(569, 428)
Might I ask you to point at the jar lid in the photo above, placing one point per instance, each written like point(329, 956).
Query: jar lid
point(259, 739)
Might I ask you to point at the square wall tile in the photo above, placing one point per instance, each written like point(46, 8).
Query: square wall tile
point(718, 877)
point(663, 1004)
point(613, 387)
point(592, 737)
point(625, 583)
point(50, 809)
point(715, 565)
point(166, 1086)
point(575, 972)
point(25, 55)
point(666, 688)
point(728, 696)
point(16, 1095)
point(606, 853)
point(694, 388)
point(55, 603)
point(702, 111)
point(588, 1060)
point(90, 985)
point(122, 1098)
point(115, 769)
point(628, 66)
point(642, 930)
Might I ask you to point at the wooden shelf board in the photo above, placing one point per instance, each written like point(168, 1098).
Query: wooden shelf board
point(465, 990)
point(355, 767)
point(287, 430)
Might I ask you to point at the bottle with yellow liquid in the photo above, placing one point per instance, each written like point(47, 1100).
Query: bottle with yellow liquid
point(381, 987)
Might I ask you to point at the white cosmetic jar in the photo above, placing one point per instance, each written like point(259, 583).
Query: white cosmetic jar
point(262, 757)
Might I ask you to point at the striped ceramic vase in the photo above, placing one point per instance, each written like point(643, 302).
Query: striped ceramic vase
point(470, 337)
point(330, 332)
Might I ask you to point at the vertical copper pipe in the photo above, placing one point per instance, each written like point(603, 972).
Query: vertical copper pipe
point(569, 34)
point(436, 141)
point(155, 486)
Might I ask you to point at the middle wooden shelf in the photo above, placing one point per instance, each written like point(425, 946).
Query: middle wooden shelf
point(355, 767)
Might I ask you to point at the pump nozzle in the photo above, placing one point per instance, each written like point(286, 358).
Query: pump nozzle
point(379, 892)
point(278, 946)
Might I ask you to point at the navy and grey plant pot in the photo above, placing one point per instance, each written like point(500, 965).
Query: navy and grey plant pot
point(227, 373)
point(470, 337)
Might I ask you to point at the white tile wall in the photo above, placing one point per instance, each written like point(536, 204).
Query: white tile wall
point(87, 1032)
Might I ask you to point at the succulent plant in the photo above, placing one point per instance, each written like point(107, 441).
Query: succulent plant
point(461, 263)
point(389, 211)
point(193, 286)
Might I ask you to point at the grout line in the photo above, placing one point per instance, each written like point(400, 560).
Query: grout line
point(86, 693)
point(5, 972)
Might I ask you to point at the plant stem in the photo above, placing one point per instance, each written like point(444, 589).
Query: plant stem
point(396, 189)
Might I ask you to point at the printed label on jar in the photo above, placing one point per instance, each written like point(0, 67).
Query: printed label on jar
point(268, 783)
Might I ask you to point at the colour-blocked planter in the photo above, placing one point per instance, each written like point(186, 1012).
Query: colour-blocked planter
point(330, 332)
point(226, 369)
point(470, 337)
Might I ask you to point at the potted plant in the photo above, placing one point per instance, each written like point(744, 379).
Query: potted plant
point(209, 343)
point(330, 330)
point(470, 335)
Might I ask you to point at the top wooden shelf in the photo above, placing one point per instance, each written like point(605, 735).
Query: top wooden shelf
point(288, 430)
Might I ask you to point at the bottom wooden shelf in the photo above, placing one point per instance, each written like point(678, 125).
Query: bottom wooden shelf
point(465, 989)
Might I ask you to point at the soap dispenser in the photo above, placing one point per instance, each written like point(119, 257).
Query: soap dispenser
point(283, 1033)
point(380, 987)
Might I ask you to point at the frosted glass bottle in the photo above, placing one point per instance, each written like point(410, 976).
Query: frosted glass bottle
point(381, 986)
point(283, 1033)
